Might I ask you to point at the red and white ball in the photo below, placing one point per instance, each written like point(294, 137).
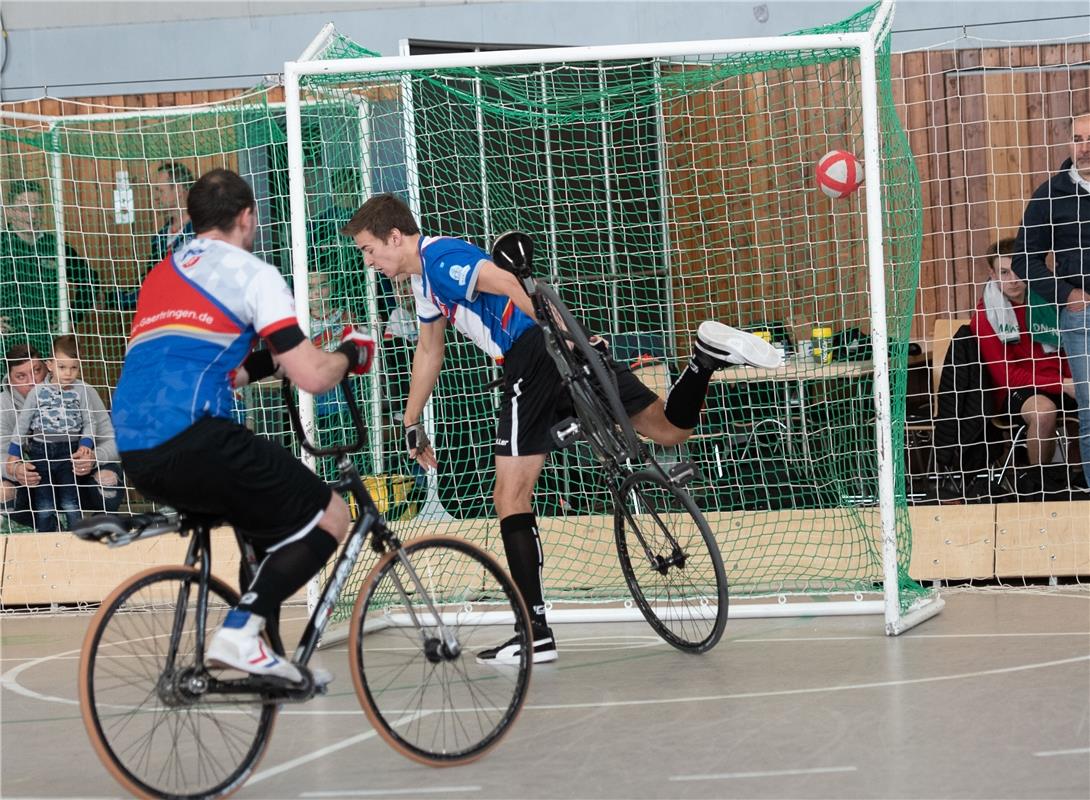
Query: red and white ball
point(839, 173)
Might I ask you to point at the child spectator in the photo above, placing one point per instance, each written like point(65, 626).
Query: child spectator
point(56, 432)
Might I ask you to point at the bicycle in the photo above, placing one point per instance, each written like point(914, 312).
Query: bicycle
point(165, 724)
point(668, 555)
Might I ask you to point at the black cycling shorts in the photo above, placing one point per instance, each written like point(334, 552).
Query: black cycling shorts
point(1016, 398)
point(534, 398)
point(218, 467)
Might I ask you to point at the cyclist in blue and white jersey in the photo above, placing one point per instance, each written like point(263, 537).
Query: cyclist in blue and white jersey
point(199, 314)
point(456, 284)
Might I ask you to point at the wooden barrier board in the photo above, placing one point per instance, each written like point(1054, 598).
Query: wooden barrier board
point(949, 543)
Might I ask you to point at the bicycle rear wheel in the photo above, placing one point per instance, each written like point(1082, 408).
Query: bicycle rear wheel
point(155, 735)
point(434, 705)
point(671, 562)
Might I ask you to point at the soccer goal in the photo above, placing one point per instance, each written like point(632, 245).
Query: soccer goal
point(665, 184)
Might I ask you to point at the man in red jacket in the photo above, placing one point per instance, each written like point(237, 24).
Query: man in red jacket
point(1017, 334)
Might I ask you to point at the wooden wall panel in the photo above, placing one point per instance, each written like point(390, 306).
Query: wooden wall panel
point(986, 125)
point(1008, 540)
point(1000, 126)
point(753, 242)
point(1042, 539)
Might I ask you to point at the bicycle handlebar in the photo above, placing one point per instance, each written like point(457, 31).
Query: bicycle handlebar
point(300, 434)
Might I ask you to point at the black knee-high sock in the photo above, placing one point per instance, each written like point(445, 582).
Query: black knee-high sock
point(285, 570)
point(686, 396)
point(246, 572)
point(522, 545)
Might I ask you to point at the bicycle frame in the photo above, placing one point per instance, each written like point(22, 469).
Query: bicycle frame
point(368, 521)
point(514, 251)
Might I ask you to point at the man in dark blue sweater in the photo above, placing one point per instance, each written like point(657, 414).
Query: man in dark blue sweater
point(1057, 221)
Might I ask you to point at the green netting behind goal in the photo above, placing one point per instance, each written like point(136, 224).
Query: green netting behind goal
point(661, 192)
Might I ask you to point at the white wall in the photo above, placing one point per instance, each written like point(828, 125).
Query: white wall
point(72, 49)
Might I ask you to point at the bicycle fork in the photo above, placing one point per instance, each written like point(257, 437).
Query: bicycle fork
point(446, 647)
point(199, 554)
point(660, 564)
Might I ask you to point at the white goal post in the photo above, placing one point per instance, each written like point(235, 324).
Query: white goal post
point(470, 78)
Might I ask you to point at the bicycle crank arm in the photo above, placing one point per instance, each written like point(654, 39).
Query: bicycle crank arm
point(264, 689)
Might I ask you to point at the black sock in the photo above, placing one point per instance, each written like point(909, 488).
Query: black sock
point(246, 572)
point(285, 570)
point(522, 545)
point(686, 397)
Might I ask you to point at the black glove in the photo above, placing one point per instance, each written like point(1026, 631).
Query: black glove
point(416, 440)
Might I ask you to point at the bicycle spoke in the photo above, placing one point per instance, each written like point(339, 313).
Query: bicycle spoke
point(164, 741)
point(456, 707)
point(679, 583)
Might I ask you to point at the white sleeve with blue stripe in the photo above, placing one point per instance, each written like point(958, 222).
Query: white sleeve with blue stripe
point(426, 310)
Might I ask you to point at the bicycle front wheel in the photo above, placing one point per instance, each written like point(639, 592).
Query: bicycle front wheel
point(418, 681)
point(671, 562)
point(140, 699)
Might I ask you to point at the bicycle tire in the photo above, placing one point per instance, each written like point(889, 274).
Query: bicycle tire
point(151, 748)
point(684, 601)
point(594, 390)
point(438, 711)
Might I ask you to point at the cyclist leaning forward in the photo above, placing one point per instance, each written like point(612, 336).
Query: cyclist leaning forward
point(456, 283)
point(199, 314)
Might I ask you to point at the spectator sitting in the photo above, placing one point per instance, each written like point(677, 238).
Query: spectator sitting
point(1019, 344)
point(59, 427)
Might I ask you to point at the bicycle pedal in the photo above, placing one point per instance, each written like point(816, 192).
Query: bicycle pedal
point(566, 432)
point(683, 473)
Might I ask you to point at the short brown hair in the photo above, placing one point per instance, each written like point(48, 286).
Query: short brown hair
point(1002, 248)
point(216, 200)
point(66, 346)
point(21, 353)
point(380, 215)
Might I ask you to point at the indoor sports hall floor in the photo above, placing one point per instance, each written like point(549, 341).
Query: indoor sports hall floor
point(990, 699)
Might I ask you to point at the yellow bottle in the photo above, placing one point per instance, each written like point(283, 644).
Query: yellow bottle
point(823, 344)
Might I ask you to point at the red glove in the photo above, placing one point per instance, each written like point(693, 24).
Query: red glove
point(359, 348)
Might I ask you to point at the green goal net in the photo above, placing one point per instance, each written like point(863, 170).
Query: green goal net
point(662, 190)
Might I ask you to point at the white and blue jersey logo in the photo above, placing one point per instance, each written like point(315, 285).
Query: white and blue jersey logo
point(447, 287)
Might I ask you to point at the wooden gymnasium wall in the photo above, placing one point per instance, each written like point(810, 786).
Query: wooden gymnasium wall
point(752, 247)
point(986, 125)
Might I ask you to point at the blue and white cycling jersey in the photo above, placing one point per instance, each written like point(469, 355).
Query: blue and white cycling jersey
point(447, 287)
point(199, 314)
